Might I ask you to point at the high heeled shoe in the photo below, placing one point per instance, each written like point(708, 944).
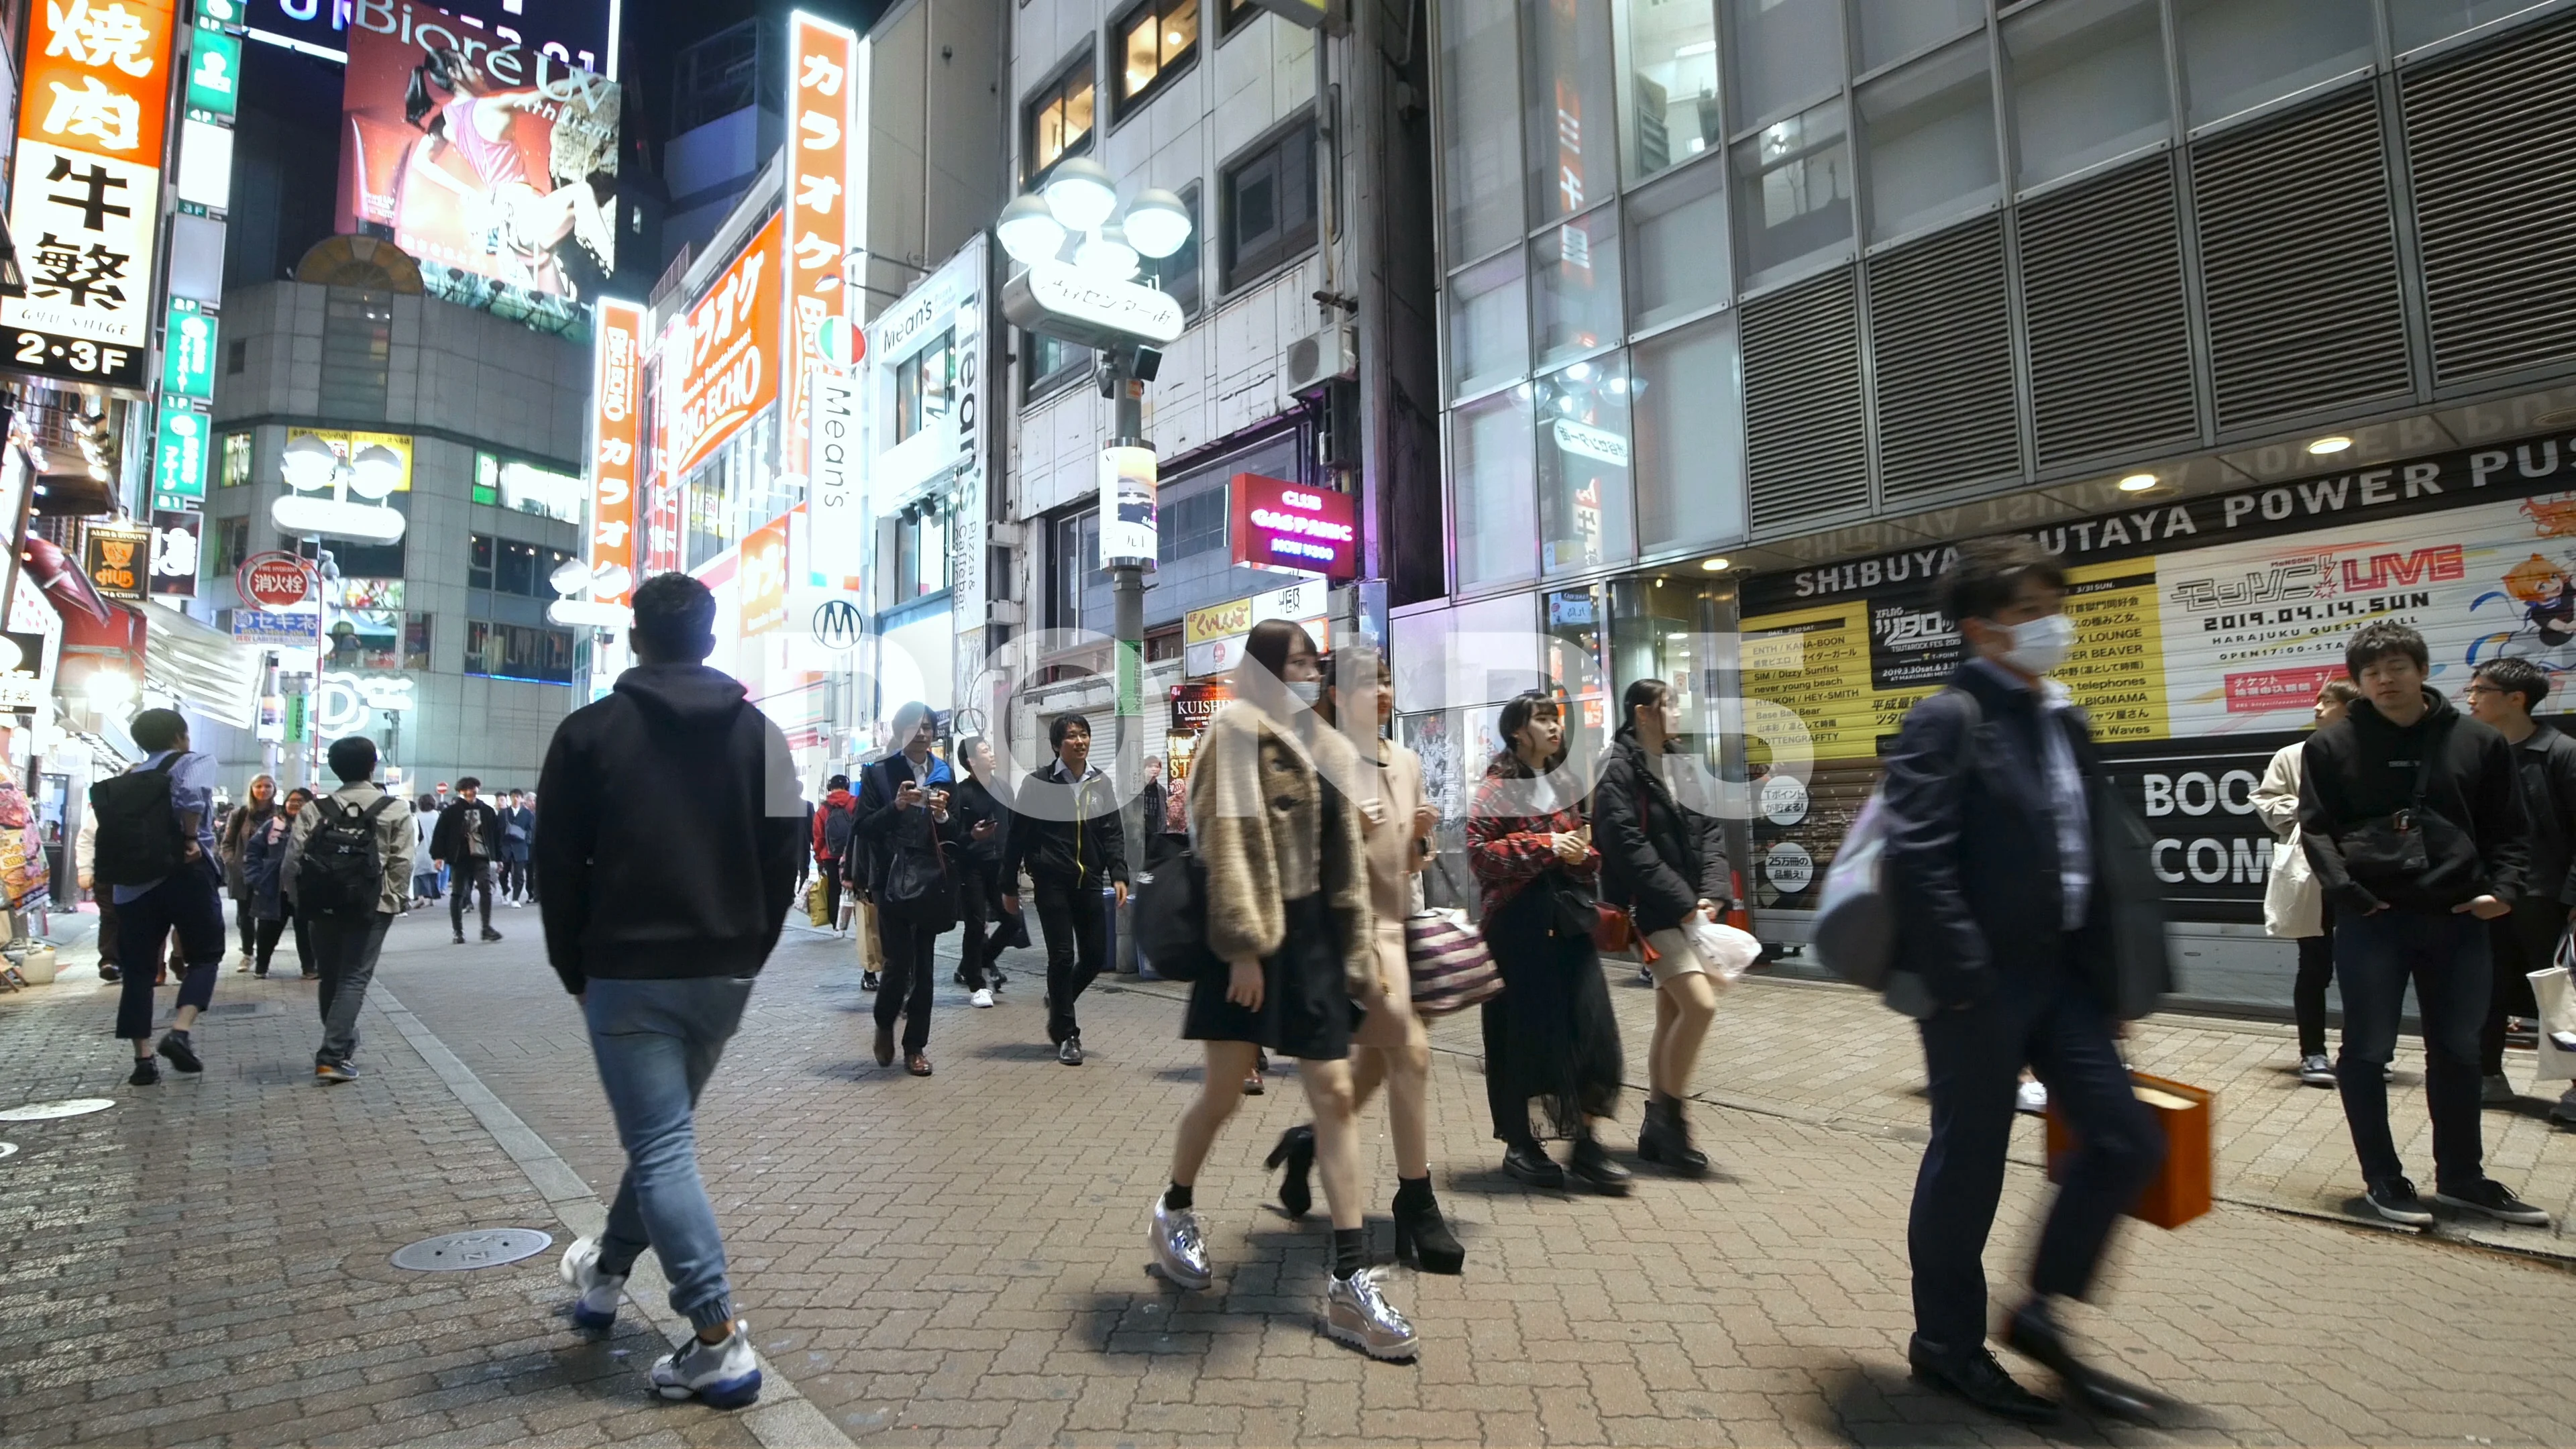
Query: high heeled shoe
point(1423, 1241)
point(1295, 1150)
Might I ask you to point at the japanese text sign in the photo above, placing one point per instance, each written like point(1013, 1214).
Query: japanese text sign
point(1283, 525)
point(179, 456)
point(87, 190)
point(825, 75)
point(720, 365)
point(188, 352)
point(616, 413)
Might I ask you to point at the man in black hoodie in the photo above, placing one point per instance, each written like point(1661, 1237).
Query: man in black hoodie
point(468, 838)
point(1064, 829)
point(668, 848)
point(2412, 815)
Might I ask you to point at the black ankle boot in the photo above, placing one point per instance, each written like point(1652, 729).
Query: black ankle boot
point(1589, 1165)
point(1423, 1241)
point(1296, 1150)
point(1666, 1141)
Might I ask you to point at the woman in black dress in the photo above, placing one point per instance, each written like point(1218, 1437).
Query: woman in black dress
point(1550, 1037)
point(1288, 916)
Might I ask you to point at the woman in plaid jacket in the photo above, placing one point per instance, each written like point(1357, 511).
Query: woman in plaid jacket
point(1550, 1036)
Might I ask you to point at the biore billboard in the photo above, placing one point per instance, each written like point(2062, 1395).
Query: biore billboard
point(578, 33)
point(494, 165)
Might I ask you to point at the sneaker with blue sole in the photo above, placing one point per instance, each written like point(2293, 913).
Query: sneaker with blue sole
point(722, 1375)
point(596, 1308)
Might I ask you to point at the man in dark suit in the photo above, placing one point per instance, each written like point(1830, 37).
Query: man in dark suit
point(2007, 925)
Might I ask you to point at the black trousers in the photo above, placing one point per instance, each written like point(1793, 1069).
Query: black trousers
point(1077, 944)
point(2308, 993)
point(2448, 958)
point(904, 987)
point(514, 877)
point(2521, 943)
point(2050, 1022)
point(185, 902)
point(469, 877)
point(270, 932)
point(983, 913)
point(246, 917)
point(832, 895)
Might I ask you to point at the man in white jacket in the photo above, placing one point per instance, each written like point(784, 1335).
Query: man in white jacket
point(2293, 907)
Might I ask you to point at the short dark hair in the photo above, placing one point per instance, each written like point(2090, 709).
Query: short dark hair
point(1065, 724)
point(1989, 572)
point(2516, 675)
point(2378, 641)
point(468, 783)
point(675, 617)
point(353, 758)
point(300, 790)
point(158, 729)
point(837, 782)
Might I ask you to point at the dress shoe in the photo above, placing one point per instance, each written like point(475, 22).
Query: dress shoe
point(1296, 1152)
point(1590, 1167)
point(885, 1046)
point(2034, 1334)
point(1975, 1378)
point(1525, 1161)
point(918, 1064)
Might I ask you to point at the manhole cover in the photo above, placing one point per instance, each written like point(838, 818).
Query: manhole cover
point(485, 1248)
point(48, 1111)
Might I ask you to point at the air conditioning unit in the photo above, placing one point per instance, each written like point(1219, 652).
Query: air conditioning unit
point(1322, 357)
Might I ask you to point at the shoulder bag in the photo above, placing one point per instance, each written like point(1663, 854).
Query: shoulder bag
point(2392, 845)
point(1451, 967)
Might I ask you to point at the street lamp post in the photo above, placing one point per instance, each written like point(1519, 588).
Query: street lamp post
point(318, 504)
point(1093, 301)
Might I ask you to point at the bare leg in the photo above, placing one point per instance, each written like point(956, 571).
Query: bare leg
point(1337, 1142)
point(1684, 1007)
point(1219, 1094)
point(1368, 1069)
point(1408, 1100)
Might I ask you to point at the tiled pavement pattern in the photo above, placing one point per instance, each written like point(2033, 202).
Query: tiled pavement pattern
point(959, 1260)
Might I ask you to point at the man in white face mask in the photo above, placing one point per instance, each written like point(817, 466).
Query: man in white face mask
point(2006, 924)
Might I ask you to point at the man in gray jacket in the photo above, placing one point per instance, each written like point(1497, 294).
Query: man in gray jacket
point(348, 935)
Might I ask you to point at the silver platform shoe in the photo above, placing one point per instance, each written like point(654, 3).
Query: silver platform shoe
point(1357, 1313)
point(1180, 1251)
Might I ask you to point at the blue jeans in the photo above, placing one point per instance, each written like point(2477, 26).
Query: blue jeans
point(2447, 958)
point(657, 1042)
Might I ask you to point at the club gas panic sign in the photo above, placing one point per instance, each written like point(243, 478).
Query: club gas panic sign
point(1292, 527)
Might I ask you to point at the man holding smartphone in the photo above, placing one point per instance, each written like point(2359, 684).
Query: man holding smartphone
point(913, 851)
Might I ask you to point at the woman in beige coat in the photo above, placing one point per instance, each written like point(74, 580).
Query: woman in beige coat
point(1274, 825)
point(2294, 907)
point(1391, 1045)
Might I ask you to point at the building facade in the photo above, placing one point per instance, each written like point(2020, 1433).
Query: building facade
point(1750, 309)
point(438, 646)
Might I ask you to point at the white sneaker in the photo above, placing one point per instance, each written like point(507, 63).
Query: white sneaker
point(719, 1375)
point(2033, 1098)
point(597, 1306)
point(983, 997)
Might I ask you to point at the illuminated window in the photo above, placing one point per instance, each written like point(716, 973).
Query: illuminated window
point(1154, 41)
point(924, 384)
point(236, 470)
point(517, 651)
point(1058, 119)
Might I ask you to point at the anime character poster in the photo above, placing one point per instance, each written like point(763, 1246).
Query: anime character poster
point(494, 166)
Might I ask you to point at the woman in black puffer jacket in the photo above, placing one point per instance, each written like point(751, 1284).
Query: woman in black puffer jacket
point(1667, 863)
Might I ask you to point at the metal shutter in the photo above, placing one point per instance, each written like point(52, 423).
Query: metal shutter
point(2298, 256)
point(1940, 330)
point(2110, 340)
point(1806, 447)
point(2491, 145)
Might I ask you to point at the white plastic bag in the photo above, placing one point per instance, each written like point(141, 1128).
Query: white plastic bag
point(1728, 951)
point(2557, 998)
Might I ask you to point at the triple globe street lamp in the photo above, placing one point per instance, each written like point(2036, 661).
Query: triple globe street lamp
point(1094, 301)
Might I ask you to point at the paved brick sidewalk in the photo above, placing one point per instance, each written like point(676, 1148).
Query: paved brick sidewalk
point(209, 1260)
point(959, 1260)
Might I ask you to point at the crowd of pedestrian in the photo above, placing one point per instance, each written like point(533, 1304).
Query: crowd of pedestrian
point(2420, 844)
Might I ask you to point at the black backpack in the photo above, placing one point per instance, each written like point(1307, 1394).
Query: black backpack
point(838, 822)
point(139, 841)
point(341, 873)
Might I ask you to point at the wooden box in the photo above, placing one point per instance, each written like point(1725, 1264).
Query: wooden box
point(2181, 1188)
